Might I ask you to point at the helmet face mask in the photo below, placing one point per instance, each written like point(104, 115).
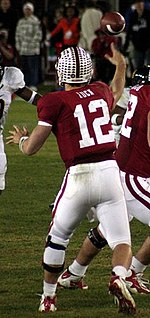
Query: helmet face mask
point(74, 66)
point(141, 76)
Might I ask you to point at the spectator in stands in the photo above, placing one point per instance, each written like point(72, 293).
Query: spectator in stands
point(130, 11)
point(43, 47)
point(90, 22)
point(138, 34)
point(56, 42)
point(8, 19)
point(28, 39)
point(70, 25)
point(6, 50)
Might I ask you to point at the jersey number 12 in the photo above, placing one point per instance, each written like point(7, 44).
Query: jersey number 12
point(87, 140)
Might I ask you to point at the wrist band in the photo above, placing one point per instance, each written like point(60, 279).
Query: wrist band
point(114, 119)
point(21, 141)
point(32, 97)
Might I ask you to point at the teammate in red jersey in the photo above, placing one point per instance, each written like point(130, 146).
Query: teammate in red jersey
point(80, 119)
point(133, 154)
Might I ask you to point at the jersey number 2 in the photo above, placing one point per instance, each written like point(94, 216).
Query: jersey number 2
point(127, 121)
point(87, 140)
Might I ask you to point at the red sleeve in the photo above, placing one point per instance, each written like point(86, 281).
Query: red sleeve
point(58, 28)
point(48, 108)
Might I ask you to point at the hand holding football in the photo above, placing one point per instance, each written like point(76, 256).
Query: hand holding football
point(112, 23)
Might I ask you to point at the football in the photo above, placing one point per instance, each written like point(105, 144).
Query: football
point(112, 23)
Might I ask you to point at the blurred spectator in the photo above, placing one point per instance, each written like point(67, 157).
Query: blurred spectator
point(43, 48)
point(90, 22)
point(70, 25)
point(138, 34)
point(6, 50)
point(56, 42)
point(8, 19)
point(28, 40)
point(104, 6)
point(103, 69)
point(131, 9)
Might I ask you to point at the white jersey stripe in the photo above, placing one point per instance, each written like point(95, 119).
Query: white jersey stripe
point(139, 187)
point(60, 193)
point(43, 123)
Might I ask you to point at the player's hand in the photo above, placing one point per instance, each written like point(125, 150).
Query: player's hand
point(16, 134)
point(116, 57)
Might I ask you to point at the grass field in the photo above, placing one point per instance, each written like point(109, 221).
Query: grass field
point(31, 184)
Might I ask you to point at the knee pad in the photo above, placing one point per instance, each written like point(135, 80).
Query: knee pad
point(95, 238)
point(52, 269)
point(54, 255)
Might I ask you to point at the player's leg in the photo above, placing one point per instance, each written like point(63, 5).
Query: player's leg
point(72, 277)
point(114, 227)
point(70, 208)
point(121, 258)
point(137, 194)
point(142, 257)
point(136, 283)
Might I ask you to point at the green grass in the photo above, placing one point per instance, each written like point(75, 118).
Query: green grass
point(31, 184)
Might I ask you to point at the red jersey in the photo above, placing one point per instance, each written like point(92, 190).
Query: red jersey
point(133, 154)
point(101, 45)
point(67, 27)
point(80, 121)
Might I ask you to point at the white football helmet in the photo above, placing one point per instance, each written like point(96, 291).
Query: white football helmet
point(74, 66)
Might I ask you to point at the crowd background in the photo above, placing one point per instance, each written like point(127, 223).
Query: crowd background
point(33, 33)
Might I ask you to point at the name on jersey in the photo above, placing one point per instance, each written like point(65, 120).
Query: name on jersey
point(85, 93)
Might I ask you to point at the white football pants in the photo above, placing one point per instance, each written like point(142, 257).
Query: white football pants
point(85, 186)
point(137, 195)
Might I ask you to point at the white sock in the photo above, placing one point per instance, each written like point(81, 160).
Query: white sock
point(49, 289)
point(137, 266)
point(120, 271)
point(76, 269)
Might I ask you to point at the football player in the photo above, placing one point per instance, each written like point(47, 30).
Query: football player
point(11, 81)
point(79, 117)
point(135, 179)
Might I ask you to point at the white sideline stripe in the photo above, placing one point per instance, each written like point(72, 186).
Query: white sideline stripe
point(137, 190)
